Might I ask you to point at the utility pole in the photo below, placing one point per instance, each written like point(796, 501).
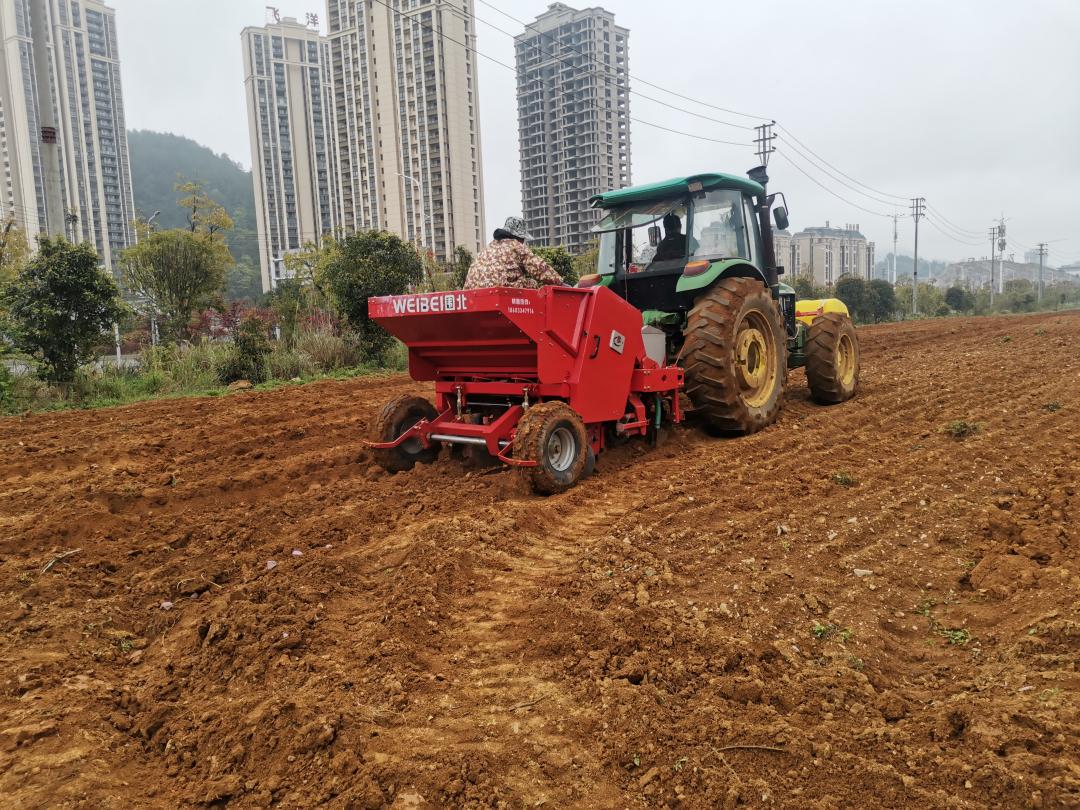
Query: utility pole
point(993, 243)
point(894, 237)
point(917, 208)
point(1042, 255)
point(1002, 244)
point(764, 141)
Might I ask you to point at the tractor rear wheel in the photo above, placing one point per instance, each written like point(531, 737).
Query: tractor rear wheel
point(552, 435)
point(735, 355)
point(832, 358)
point(396, 417)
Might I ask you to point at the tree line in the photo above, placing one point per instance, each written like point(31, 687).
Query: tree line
point(877, 300)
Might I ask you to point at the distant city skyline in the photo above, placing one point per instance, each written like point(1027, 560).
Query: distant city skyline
point(970, 124)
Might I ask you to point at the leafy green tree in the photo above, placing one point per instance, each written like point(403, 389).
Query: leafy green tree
point(586, 263)
point(932, 300)
point(1019, 295)
point(560, 260)
point(178, 272)
point(804, 287)
point(959, 300)
point(289, 305)
point(363, 265)
point(14, 250)
point(463, 260)
point(205, 215)
point(59, 306)
point(852, 291)
point(882, 300)
point(243, 281)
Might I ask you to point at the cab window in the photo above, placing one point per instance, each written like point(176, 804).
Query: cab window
point(718, 230)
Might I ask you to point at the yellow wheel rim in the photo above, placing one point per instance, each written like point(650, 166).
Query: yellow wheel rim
point(845, 360)
point(755, 360)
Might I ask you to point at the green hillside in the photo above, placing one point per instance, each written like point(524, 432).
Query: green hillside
point(157, 158)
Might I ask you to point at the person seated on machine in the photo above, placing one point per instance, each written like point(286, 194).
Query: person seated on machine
point(507, 262)
point(673, 245)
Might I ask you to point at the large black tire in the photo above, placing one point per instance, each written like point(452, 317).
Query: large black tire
point(832, 358)
point(735, 356)
point(397, 416)
point(553, 435)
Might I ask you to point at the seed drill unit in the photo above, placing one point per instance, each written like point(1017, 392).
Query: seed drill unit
point(544, 380)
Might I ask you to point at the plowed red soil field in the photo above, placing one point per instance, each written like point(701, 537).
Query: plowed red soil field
point(851, 608)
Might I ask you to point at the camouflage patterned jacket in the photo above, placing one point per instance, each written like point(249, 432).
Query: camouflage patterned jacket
point(508, 263)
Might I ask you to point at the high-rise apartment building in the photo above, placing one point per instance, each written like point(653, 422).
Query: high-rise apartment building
point(406, 111)
point(573, 120)
point(293, 157)
point(63, 138)
point(827, 254)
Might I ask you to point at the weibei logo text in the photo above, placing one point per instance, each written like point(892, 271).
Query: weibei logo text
point(434, 302)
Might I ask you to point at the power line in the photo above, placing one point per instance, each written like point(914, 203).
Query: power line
point(635, 78)
point(609, 74)
point(787, 157)
point(837, 179)
point(949, 235)
point(441, 35)
point(849, 177)
point(951, 224)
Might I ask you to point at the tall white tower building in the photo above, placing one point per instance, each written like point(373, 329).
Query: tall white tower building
point(573, 120)
point(407, 117)
point(293, 154)
point(63, 137)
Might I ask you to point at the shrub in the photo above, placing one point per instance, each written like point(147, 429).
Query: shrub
point(286, 364)
point(366, 264)
point(248, 358)
point(327, 352)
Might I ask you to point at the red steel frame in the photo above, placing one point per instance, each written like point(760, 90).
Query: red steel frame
point(512, 347)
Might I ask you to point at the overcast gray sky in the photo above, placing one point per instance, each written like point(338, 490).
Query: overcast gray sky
point(973, 104)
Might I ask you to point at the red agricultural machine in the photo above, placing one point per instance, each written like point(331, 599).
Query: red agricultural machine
point(545, 379)
point(541, 380)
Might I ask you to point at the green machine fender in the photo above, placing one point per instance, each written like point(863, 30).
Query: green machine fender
point(717, 269)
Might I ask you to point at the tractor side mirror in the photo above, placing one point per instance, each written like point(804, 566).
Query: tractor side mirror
point(654, 235)
point(780, 215)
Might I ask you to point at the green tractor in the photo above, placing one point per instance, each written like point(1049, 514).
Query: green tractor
point(696, 255)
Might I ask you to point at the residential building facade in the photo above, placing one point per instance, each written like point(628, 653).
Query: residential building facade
point(573, 120)
point(826, 254)
point(293, 148)
point(63, 136)
point(407, 120)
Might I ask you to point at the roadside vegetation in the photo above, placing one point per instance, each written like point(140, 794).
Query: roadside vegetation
point(185, 328)
point(877, 301)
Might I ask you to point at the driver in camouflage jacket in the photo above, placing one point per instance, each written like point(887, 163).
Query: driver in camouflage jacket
point(506, 262)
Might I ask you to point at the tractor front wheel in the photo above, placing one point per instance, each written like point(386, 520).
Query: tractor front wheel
point(552, 435)
point(396, 417)
point(735, 356)
point(832, 358)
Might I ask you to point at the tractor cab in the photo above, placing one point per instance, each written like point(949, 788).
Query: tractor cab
point(660, 244)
